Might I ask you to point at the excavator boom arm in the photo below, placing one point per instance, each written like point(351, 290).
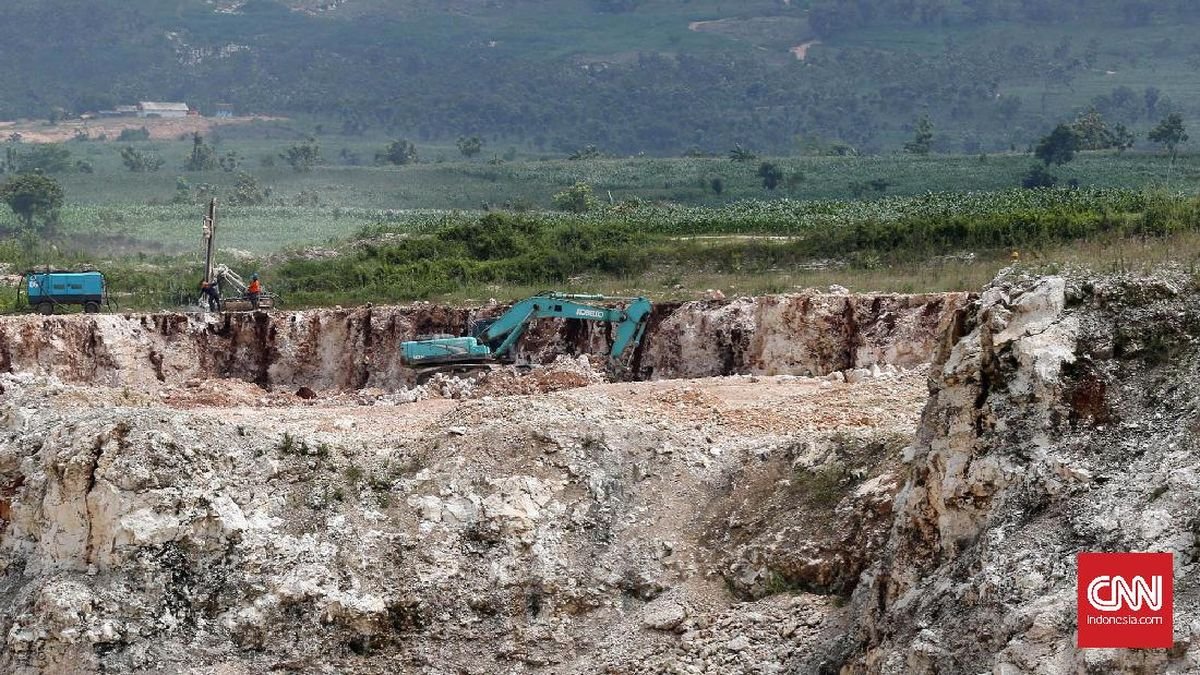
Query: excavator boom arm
point(629, 332)
point(223, 273)
point(497, 340)
point(630, 321)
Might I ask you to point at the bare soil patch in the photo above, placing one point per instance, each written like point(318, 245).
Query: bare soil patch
point(36, 131)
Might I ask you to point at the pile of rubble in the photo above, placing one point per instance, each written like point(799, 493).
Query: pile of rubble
point(762, 638)
point(564, 373)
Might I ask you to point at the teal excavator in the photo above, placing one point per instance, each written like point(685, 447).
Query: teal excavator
point(492, 342)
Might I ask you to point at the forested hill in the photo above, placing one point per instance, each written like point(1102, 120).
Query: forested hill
point(628, 76)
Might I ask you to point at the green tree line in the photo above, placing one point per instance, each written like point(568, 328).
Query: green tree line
point(374, 74)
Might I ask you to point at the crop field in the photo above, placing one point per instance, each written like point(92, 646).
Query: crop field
point(350, 230)
point(258, 230)
point(158, 212)
point(532, 184)
point(770, 240)
point(522, 177)
point(261, 230)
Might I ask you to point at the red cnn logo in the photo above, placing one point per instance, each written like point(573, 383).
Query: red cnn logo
point(1125, 600)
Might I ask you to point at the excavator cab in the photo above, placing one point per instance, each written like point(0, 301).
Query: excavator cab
point(459, 350)
point(479, 327)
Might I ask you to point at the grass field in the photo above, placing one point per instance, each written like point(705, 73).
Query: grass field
point(530, 182)
point(262, 230)
point(112, 209)
point(347, 233)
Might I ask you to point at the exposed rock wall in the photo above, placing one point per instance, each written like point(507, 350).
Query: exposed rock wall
point(1064, 420)
point(810, 334)
point(800, 334)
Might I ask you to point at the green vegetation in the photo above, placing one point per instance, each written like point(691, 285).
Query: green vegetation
point(203, 157)
point(399, 152)
point(469, 147)
point(1009, 212)
point(302, 157)
point(140, 162)
point(720, 233)
point(922, 142)
point(131, 135)
point(496, 249)
point(49, 158)
point(1039, 177)
point(335, 227)
point(557, 75)
point(1059, 147)
point(770, 174)
point(349, 178)
point(629, 241)
point(1093, 133)
point(578, 198)
point(509, 256)
point(1170, 133)
point(33, 196)
point(353, 474)
point(825, 485)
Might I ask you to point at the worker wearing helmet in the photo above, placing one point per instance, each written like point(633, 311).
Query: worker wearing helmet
point(254, 290)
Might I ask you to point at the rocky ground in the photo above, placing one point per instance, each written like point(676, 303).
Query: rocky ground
point(601, 525)
point(870, 485)
point(1065, 419)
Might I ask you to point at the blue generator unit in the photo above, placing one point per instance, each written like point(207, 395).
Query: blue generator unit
point(49, 291)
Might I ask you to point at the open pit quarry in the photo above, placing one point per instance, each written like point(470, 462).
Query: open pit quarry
point(807, 483)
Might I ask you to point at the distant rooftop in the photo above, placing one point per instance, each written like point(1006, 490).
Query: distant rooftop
point(155, 106)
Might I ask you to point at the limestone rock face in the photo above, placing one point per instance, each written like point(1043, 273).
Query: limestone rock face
point(803, 334)
point(1063, 421)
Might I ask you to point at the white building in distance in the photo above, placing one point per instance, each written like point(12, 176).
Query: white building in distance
point(156, 109)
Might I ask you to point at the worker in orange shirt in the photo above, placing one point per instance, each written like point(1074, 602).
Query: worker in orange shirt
point(254, 290)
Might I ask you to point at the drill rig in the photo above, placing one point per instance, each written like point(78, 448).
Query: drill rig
point(226, 279)
point(492, 343)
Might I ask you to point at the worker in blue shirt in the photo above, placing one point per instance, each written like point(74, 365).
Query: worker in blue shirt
point(212, 293)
